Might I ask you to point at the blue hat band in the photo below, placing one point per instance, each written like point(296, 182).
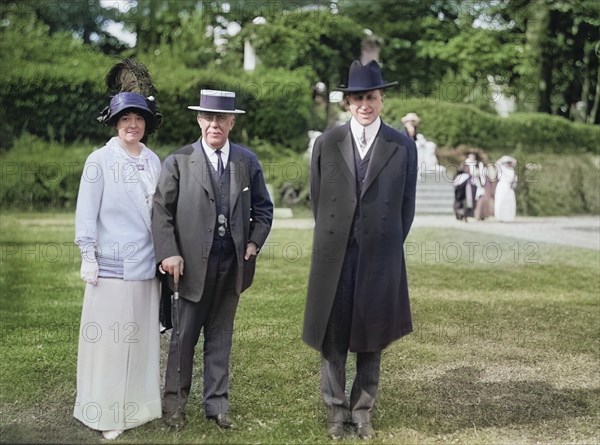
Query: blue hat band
point(217, 102)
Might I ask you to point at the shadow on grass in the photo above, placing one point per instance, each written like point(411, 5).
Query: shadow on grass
point(459, 399)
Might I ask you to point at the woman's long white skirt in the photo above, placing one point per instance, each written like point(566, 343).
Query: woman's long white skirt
point(118, 362)
point(505, 202)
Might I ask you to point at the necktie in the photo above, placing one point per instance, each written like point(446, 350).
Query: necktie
point(363, 140)
point(220, 167)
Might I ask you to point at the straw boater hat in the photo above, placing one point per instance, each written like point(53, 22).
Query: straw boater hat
point(214, 101)
point(365, 78)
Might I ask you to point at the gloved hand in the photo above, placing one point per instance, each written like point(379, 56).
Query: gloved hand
point(89, 269)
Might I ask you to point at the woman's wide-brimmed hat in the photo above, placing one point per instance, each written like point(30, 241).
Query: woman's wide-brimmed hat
point(215, 101)
point(126, 101)
point(365, 78)
point(506, 159)
point(411, 117)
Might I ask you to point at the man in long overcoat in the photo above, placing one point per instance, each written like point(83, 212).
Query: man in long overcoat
point(212, 213)
point(363, 181)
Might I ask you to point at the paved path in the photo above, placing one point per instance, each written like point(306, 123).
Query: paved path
point(577, 231)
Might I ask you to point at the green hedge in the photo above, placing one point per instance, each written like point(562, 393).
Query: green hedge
point(557, 184)
point(36, 175)
point(40, 175)
point(55, 104)
point(451, 124)
point(61, 103)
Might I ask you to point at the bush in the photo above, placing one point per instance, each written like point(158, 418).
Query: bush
point(40, 175)
point(551, 184)
point(55, 105)
point(36, 175)
point(280, 107)
point(450, 124)
point(539, 132)
point(51, 104)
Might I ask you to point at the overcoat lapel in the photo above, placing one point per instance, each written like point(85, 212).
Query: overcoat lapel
point(381, 152)
point(236, 175)
point(347, 150)
point(201, 168)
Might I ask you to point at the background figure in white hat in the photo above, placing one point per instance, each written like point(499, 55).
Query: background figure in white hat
point(212, 214)
point(411, 123)
point(118, 369)
point(505, 202)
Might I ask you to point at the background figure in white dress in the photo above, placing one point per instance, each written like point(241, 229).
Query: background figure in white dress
point(118, 361)
point(428, 162)
point(505, 202)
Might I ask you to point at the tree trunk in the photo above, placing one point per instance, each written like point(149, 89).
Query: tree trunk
point(594, 111)
point(585, 88)
point(538, 80)
point(152, 34)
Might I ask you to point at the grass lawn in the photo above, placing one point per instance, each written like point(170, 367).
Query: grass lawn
point(505, 348)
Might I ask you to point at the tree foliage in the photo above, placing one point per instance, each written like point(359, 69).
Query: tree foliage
point(561, 56)
point(319, 39)
point(545, 53)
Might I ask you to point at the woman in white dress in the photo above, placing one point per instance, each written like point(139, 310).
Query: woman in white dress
point(118, 370)
point(505, 202)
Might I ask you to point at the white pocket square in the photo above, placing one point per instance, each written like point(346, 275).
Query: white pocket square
point(246, 189)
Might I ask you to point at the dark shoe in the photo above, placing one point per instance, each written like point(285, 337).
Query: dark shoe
point(335, 430)
point(365, 431)
point(175, 419)
point(223, 421)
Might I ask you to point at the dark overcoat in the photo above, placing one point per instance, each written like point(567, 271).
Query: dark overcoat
point(381, 311)
point(185, 211)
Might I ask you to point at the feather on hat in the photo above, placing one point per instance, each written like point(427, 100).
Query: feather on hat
point(130, 85)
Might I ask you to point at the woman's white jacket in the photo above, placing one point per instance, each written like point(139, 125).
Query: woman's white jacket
point(113, 210)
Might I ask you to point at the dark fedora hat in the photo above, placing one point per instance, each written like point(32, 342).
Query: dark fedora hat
point(365, 78)
point(215, 101)
point(125, 101)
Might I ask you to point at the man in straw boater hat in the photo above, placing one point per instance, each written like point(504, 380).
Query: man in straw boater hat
point(363, 181)
point(212, 213)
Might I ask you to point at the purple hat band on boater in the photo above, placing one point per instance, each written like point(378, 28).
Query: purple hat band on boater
point(213, 101)
point(217, 102)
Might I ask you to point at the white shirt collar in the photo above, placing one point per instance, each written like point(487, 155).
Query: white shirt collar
point(212, 155)
point(371, 131)
point(117, 148)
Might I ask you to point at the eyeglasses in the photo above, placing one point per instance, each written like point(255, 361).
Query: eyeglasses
point(220, 118)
